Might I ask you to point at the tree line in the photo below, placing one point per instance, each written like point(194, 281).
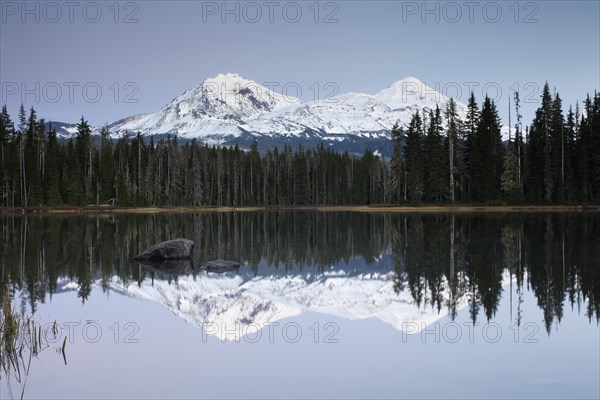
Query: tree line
point(437, 158)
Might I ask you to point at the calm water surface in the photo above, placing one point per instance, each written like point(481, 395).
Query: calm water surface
point(336, 304)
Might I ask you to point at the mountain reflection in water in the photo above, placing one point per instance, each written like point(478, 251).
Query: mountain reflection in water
point(396, 267)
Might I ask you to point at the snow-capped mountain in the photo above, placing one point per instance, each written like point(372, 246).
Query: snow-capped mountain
point(229, 109)
point(215, 108)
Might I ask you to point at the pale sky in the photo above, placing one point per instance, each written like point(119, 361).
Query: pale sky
point(59, 56)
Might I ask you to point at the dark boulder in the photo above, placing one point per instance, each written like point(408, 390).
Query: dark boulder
point(220, 266)
point(176, 249)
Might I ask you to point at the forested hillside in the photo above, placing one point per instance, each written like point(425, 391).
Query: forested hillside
point(438, 158)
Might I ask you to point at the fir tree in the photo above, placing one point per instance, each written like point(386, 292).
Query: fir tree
point(52, 176)
point(559, 149)
point(486, 156)
point(84, 151)
point(74, 187)
point(436, 160)
point(539, 152)
point(470, 128)
point(107, 173)
point(590, 132)
point(413, 156)
point(31, 159)
point(583, 152)
point(397, 165)
point(453, 123)
point(592, 127)
point(8, 160)
point(545, 127)
point(570, 183)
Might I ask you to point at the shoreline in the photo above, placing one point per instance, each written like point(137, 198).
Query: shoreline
point(99, 209)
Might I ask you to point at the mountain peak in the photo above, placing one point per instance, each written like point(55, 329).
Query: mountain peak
point(408, 84)
point(410, 91)
point(242, 97)
point(227, 77)
point(409, 79)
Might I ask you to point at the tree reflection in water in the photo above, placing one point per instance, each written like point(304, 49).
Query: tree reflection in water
point(440, 259)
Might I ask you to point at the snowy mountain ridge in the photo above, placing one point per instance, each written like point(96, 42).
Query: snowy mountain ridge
point(231, 110)
point(228, 106)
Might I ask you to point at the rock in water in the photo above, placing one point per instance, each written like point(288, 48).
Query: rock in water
point(176, 249)
point(220, 266)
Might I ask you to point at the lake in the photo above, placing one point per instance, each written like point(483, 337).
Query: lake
point(324, 305)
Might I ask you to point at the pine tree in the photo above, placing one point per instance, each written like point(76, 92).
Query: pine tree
point(31, 159)
point(300, 191)
point(52, 176)
point(197, 186)
point(40, 147)
point(494, 127)
point(559, 149)
point(136, 165)
point(74, 187)
point(413, 156)
point(7, 158)
point(453, 123)
point(540, 180)
point(470, 128)
point(571, 190)
point(151, 178)
point(436, 160)
point(256, 177)
point(107, 173)
point(593, 132)
point(397, 165)
point(545, 125)
point(486, 155)
point(174, 172)
point(583, 147)
point(84, 151)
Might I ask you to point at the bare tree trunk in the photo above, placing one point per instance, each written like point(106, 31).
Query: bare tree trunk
point(22, 172)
